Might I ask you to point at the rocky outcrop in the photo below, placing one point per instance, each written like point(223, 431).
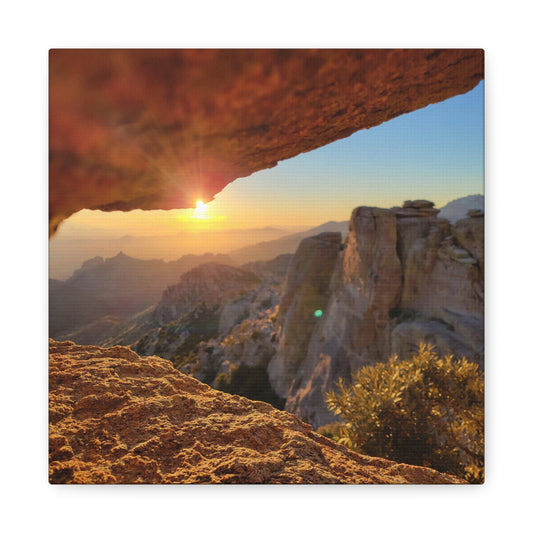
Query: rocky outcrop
point(209, 284)
point(405, 277)
point(305, 297)
point(155, 129)
point(204, 309)
point(117, 418)
point(253, 342)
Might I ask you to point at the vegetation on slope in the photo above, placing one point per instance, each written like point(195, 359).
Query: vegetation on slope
point(425, 411)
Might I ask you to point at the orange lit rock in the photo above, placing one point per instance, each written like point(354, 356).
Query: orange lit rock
point(115, 417)
point(158, 129)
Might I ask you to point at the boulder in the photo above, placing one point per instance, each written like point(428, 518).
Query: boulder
point(117, 418)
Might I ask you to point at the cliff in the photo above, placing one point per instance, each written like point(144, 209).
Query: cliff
point(405, 277)
point(115, 417)
point(306, 294)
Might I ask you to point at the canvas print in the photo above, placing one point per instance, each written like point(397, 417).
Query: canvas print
point(266, 266)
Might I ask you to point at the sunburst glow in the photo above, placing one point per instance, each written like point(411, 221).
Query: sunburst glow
point(201, 209)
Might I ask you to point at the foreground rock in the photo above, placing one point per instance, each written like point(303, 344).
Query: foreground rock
point(151, 129)
point(118, 418)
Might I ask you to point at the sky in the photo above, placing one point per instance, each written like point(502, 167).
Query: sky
point(435, 153)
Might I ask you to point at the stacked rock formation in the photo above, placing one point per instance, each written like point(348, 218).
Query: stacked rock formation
point(405, 277)
point(118, 418)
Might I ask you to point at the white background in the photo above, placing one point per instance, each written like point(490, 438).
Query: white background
point(29, 29)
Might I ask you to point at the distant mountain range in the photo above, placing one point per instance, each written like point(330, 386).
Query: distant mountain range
point(116, 287)
point(457, 209)
point(288, 244)
point(67, 251)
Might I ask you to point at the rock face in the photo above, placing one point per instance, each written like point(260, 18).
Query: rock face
point(205, 308)
point(156, 129)
point(306, 295)
point(405, 277)
point(118, 418)
point(210, 284)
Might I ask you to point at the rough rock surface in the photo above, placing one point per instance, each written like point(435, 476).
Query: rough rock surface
point(118, 418)
point(402, 279)
point(158, 129)
point(306, 293)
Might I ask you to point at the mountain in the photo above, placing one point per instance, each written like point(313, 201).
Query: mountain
point(68, 249)
point(208, 284)
point(207, 303)
point(117, 287)
point(284, 245)
point(457, 209)
point(129, 419)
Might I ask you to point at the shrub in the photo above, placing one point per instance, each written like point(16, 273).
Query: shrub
point(425, 411)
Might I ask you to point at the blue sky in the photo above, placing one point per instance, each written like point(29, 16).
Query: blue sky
point(435, 153)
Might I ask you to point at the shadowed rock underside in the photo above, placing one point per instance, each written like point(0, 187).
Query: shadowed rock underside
point(158, 129)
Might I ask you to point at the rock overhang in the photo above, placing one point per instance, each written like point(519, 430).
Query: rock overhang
point(156, 129)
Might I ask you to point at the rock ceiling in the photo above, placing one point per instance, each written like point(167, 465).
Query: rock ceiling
point(157, 129)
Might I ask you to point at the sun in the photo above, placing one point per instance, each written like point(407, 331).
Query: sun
point(201, 209)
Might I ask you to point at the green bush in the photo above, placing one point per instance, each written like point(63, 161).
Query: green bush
point(424, 411)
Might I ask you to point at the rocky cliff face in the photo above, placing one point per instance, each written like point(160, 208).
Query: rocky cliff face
point(115, 417)
point(197, 320)
point(306, 295)
point(405, 277)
